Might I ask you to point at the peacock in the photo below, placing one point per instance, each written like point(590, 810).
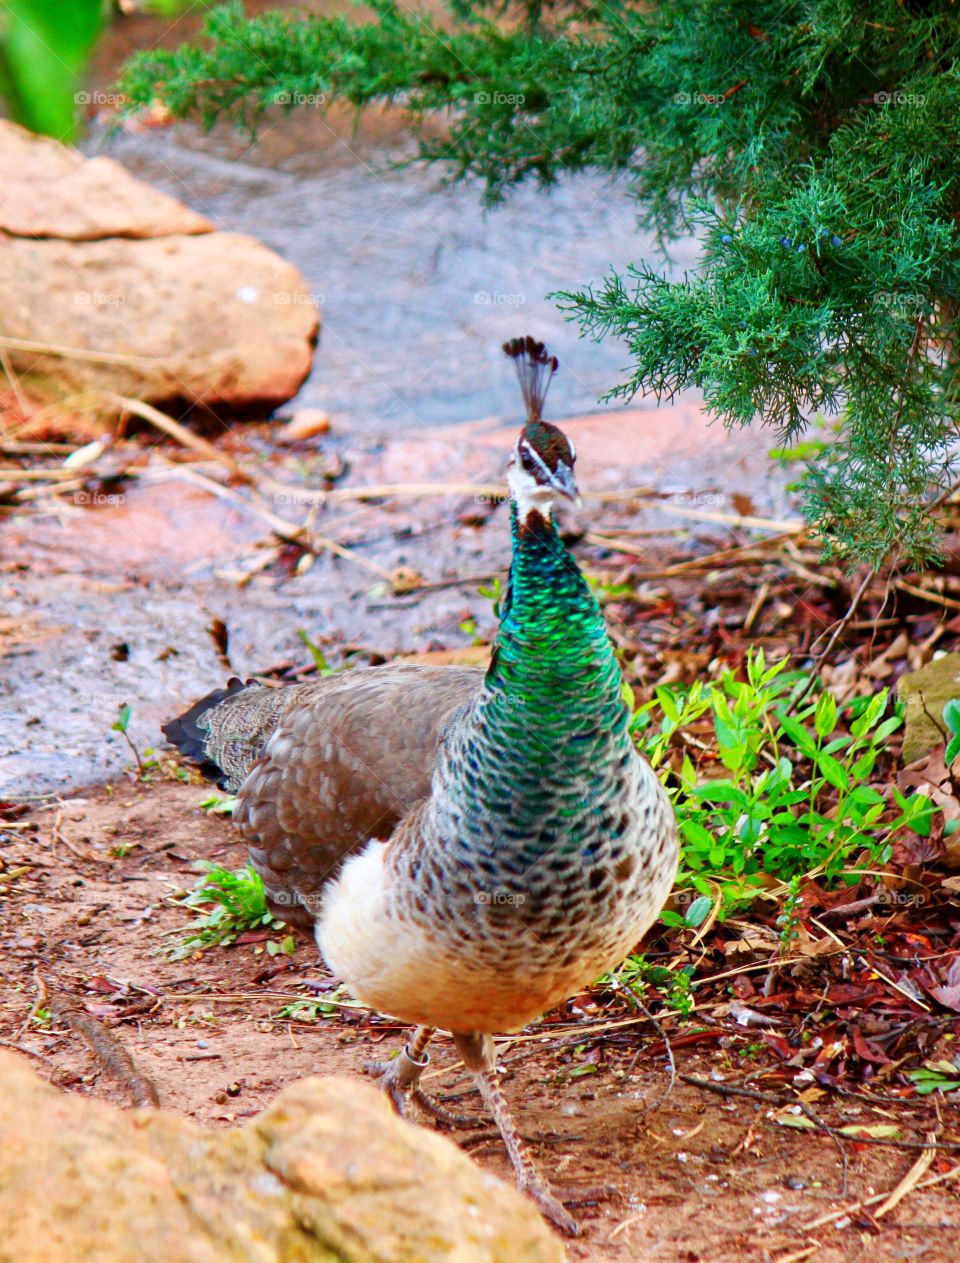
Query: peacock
point(472, 847)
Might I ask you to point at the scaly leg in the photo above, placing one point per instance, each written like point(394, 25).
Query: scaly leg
point(400, 1079)
point(401, 1076)
point(478, 1055)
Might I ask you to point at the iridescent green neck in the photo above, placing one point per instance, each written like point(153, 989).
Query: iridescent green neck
point(553, 658)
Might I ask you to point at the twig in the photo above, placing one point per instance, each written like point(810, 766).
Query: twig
point(108, 1050)
point(927, 594)
point(909, 1181)
point(187, 438)
point(850, 909)
point(668, 1048)
point(22, 402)
point(770, 1098)
point(38, 475)
point(22, 1048)
point(75, 352)
point(756, 606)
point(836, 633)
point(11, 447)
point(852, 1209)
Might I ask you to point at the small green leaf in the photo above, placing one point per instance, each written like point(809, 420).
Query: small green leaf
point(578, 1072)
point(951, 716)
point(799, 1121)
point(825, 716)
point(123, 718)
point(953, 749)
point(698, 911)
point(800, 737)
point(833, 772)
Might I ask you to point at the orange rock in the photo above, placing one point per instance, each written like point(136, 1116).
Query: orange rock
point(50, 190)
point(327, 1172)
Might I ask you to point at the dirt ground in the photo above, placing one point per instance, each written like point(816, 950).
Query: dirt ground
point(87, 912)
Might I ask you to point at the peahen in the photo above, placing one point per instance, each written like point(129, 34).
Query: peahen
point(472, 846)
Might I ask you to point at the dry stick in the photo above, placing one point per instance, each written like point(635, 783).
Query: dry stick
point(759, 601)
point(668, 1048)
point(109, 1052)
point(11, 447)
point(498, 491)
point(22, 401)
point(76, 352)
point(38, 475)
point(927, 594)
point(836, 633)
point(771, 1098)
point(852, 1209)
point(47, 490)
point(799, 1255)
point(909, 1181)
point(280, 526)
point(147, 412)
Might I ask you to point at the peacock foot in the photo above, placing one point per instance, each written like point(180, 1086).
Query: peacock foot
point(399, 1077)
point(550, 1206)
point(436, 1109)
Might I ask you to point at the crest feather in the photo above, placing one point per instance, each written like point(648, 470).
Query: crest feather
point(535, 369)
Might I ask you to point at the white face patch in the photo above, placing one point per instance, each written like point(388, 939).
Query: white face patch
point(526, 491)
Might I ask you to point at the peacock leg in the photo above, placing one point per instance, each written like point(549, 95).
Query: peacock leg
point(479, 1056)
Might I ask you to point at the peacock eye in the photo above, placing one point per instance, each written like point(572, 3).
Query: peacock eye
point(527, 462)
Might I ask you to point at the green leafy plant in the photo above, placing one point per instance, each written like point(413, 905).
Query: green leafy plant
point(230, 902)
point(147, 763)
point(316, 653)
point(321, 1007)
point(639, 978)
point(775, 795)
point(219, 805)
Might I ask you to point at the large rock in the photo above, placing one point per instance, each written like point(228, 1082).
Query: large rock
point(925, 693)
point(50, 190)
point(328, 1174)
point(113, 288)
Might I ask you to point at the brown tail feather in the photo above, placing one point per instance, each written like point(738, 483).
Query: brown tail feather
point(193, 738)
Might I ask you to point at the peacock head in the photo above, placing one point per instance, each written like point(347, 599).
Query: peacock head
point(541, 464)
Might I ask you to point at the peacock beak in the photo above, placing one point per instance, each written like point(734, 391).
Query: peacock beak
point(564, 483)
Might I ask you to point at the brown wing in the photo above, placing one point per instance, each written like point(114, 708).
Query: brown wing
point(347, 759)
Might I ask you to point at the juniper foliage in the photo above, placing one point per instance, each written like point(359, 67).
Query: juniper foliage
point(814, 145)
